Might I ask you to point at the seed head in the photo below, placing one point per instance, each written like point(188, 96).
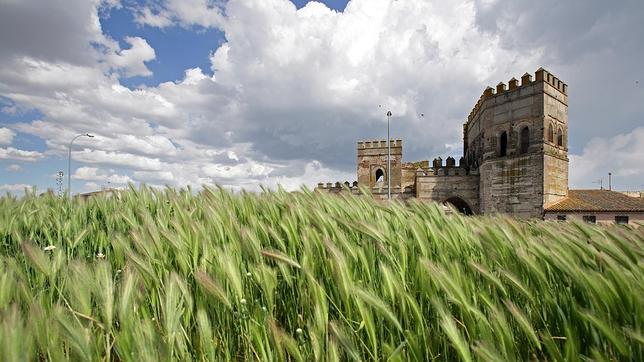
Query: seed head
point(248, 274)
point(100, 255)
point(243, 301)
point(49, 248)
point(298, 331)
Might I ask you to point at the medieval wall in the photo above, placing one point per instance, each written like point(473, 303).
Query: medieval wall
point(515, 155)
point(555, 154)
point(372, 156)
point(515, 180)
point(442, 184)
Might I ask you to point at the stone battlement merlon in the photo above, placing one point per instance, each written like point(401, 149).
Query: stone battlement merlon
point(541, 75)
point(378, 144)
point(337, 185)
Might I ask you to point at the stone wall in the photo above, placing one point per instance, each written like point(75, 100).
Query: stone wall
point(531, 173)
point(445, 183)
point(372, 156)
point(523, 179)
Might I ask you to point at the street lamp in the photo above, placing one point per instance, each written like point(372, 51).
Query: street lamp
point(69, 162)
point(388, 159)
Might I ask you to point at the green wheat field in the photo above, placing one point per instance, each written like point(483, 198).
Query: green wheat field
point(159, 275)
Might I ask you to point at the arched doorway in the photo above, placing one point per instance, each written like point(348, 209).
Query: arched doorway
point(380, 175)
point(460, 205)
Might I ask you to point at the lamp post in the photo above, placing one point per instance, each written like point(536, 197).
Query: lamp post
point(388, 159)
point(69, 162)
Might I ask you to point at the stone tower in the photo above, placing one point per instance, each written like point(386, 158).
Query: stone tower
point(517, 139)
point(372, 164)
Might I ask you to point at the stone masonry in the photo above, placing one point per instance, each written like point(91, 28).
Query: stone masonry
point(515, 156)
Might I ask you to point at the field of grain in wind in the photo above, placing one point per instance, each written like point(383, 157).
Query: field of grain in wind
point(172, 275)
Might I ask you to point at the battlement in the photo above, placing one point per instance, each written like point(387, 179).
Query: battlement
point(378, 144)
point(541, 75)
point(337, 185)
point(448, 168)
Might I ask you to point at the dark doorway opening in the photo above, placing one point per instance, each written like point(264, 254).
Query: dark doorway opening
point(460, 205)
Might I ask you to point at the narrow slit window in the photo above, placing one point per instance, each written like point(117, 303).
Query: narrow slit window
point(525, 140)
point(503, 141)
point(559, 137)
point(551, 134)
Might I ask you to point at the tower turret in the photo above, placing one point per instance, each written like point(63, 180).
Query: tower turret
point(517, 138)
point(372, 164)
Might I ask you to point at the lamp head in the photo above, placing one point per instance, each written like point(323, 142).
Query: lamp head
point(89, 135)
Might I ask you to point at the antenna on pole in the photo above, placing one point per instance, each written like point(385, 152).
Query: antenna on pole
point(600, 182)
point(59, 182)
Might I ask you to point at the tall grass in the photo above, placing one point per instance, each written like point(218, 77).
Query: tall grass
point(172, 275)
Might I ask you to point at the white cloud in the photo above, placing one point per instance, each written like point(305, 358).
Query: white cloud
point(118, 159)
point(15, 189)
point(314, 172)
point(10, 153)
point(94, 174)
point(289, 86)
point(622, 155)
point(147, 176)
point(6, 136)
point(13, 168)
point(204, 13)
point(131, 61)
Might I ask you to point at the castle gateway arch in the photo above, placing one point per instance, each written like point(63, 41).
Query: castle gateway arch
point(459, 204)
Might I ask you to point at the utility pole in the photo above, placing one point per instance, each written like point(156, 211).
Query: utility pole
point(59, 182)
point(388, 158)
point(610, 181)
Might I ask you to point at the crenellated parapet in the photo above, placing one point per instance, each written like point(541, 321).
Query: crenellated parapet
point(541, 75)
point(447, 168)
point(337, 186)
point(378, 144)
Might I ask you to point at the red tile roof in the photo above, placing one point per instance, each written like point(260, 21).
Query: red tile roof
point(598, 201)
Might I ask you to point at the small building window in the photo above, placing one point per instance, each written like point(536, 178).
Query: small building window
point(551, 133)
point(503, 141)
point(380, 175)
point(559, 137)
point(621, 219)
point(591, 219)
point(561, 217)
point(525, 140)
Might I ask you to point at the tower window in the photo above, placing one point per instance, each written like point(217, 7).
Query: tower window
point(503, 141)
point(551, 134)
point(559, 137)
point(525, 140)
point(380, 175)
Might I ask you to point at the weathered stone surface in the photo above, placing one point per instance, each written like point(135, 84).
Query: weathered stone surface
point(509, 165)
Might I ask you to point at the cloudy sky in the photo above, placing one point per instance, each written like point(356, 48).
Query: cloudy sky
point(249, 92)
